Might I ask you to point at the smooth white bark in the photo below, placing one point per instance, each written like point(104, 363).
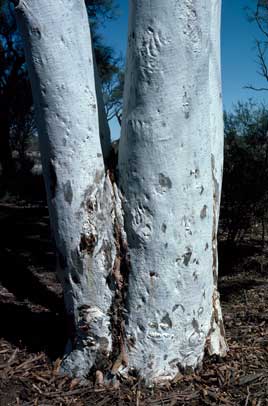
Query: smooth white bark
point(166, 177)
point(80, 197)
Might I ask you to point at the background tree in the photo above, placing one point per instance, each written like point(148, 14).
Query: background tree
point(245, 181)
point(16, 109)
point(15, 92)
point(259, 15)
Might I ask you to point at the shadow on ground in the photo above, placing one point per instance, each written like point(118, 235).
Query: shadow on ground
point(31, 304)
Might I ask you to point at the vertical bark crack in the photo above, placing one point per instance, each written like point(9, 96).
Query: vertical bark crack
point(120, 278)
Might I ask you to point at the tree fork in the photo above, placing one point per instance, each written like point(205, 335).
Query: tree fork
point(140, 281)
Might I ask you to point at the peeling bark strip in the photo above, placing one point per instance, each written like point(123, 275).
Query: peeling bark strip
point(166, 178)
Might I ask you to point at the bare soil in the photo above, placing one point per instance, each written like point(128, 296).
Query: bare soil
point(33, 330)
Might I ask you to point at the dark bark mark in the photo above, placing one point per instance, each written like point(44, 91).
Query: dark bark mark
point(68, 192)
point(164, 181)
point(195, 325)
point(164, 227)
point(195, 173)
point(203, 213)
point(88, 243)
point(187, 257)
point(186, 105)
point(177, 306)
point(167, 320)
point(36, 32)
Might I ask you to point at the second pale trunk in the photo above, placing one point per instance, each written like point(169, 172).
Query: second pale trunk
point(167, 175)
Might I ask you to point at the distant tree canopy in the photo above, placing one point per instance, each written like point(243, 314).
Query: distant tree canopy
point(245, 178)
point(259, 15)
point(16, 111)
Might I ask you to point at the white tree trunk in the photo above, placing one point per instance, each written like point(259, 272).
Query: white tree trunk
point(80, 197)
point(168, 182)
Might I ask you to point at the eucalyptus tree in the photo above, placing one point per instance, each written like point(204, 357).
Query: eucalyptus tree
point(137, 254)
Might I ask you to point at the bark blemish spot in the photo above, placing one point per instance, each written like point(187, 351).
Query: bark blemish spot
point(68, 192)
point(177, 306)
point(187, 257)
point(195, 173)
point(166, 322)
point(195, 325)
point(186, 105)
point(164, 227)
point(203, 213)
point(164, 181)
point(36, 32)
point(165, 357)
point(141, 328)
point(88, 243)
point(216, 184)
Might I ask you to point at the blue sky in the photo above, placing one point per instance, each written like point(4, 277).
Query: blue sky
point(237, 45)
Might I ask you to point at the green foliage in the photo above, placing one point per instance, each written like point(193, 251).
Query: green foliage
point(245, 179)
